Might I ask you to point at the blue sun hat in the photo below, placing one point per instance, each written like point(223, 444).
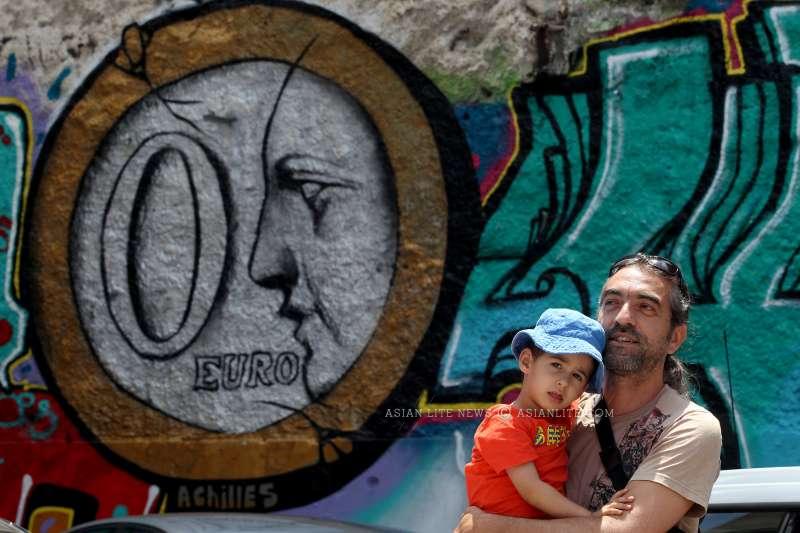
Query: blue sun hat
point(563, 332)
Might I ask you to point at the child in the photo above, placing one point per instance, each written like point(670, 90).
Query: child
point(519, 462)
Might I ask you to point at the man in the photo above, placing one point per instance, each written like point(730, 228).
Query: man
point(669, 446)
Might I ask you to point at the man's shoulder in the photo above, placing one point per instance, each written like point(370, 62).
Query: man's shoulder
point(688, 413)
point(683, 404)
point(670, 403)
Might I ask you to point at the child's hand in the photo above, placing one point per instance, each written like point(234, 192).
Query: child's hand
point(618, 505)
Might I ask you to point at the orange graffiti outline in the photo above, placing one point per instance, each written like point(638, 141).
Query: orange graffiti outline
point(514, 152)
point(53, 509)
point(429, 408)
point(26, 385)
point(23, 208)
point(720, 17)
point(581, 70)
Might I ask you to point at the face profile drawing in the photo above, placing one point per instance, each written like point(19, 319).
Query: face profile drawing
point(327, 230)
point(244, 243)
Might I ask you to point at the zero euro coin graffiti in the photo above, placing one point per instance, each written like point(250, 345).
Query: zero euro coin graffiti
point(254, 238)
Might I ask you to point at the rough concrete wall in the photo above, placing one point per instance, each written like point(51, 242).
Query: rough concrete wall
point(472, 49)
point(265, 257)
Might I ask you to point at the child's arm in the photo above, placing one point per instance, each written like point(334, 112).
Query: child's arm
point(546, 498)
point(542, 495)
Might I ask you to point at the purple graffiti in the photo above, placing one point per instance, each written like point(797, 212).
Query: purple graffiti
point(26, 372)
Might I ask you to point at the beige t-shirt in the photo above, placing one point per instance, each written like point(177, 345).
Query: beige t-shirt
point(671, 441)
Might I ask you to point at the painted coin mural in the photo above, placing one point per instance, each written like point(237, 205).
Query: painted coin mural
point(239, 221)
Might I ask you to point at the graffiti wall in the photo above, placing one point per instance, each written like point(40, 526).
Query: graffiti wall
point(254, 259)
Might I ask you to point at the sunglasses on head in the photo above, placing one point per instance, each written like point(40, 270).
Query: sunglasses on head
point(662, 264)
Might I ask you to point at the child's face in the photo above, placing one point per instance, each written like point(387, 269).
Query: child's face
point(553, 381)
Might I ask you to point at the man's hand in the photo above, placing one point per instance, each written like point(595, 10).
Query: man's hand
point(619, 504)
point(467, 522)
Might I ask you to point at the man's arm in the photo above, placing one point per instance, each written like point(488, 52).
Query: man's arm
point(476, 521)
point(657, 509)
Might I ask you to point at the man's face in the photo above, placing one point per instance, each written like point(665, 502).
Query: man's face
point(636, 316)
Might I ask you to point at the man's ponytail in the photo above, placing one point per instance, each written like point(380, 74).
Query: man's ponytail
point(676, 375)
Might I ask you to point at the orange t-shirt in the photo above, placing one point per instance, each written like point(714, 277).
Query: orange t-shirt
point(509, 437)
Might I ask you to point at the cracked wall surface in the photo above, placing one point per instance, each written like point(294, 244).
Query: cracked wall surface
point(270, 257)
point(473, 49)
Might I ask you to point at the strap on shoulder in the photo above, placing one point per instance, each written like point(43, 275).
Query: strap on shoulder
point(609, 453)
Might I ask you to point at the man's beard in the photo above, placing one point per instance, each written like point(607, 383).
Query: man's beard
point(640, 358)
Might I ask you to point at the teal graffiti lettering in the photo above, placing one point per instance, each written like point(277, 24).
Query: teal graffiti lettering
point(41, 422)
point(15, 130)
point(54, 92)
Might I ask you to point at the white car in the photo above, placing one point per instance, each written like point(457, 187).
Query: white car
point(755, 500)
point(10, 527)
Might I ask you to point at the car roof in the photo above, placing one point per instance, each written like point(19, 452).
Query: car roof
point(759, 489)
point(222, 522)
point(10, 527)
